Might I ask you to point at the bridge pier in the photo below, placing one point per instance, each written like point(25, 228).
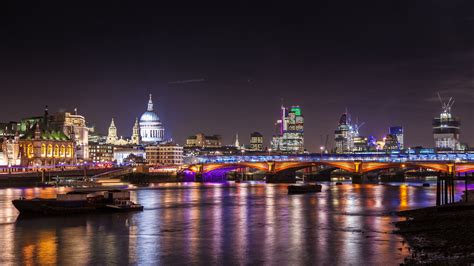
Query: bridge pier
point(357, 179)
point(198, 178)
point(281, 178)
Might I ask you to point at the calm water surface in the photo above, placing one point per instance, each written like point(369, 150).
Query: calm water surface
point(228, 224)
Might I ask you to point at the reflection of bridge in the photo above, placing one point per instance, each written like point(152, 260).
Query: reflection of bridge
point(357, 165)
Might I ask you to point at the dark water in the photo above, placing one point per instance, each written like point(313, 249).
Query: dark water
point(209, 224)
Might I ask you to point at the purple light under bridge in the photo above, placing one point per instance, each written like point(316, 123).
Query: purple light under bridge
point(214, 176)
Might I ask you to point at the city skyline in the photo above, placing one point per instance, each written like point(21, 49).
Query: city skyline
point(237, 133)
point(229, 77)
point(228, 140)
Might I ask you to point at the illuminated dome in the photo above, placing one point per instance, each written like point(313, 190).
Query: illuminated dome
point(149, 116)
point(151, 129)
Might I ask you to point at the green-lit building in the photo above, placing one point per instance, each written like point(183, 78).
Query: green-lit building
point(289, 137)
point(41, 146)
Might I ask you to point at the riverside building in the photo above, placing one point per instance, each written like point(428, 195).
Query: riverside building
point(165, 154)
point(74, 126)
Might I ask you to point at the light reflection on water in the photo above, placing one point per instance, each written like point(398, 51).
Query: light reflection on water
point(220, 224)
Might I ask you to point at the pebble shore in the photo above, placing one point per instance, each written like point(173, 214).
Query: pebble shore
point(439, 235)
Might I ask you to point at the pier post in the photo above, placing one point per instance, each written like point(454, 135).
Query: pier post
point(438, 190)
point(465, 188)
point(452, 186)
point(445, 188)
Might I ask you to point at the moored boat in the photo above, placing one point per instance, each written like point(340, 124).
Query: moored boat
point(76, 202)
point(124, 206)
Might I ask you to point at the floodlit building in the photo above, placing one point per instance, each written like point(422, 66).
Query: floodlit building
point(202, 141)
point(361, 144)
point(10, 151)
point(289, 137)
point(95, 137)
point(165, 154)
point(347, 138)
point(41, 146)
point(74, 126)
point(151, 128)
point(256, 142)
point(446, 128)
point(122, 153)
point(113, 139)
point(112, 135)
point(135, 139)
point(344, 135)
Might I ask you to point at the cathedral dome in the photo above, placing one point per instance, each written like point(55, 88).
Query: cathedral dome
point(149, 116)
point(151, 129)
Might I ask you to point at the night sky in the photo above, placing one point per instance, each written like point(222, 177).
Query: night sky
point(225, 69)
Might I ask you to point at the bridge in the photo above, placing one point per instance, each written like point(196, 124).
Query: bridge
point(275, 166)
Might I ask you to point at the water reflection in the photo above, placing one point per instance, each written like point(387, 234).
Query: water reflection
point(219, 224)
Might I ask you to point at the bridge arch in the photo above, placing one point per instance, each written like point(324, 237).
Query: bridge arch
point(206, 168)
point(358, 167)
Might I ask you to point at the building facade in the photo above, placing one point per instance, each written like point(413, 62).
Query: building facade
point(96, 137)
point(343, 135)
point(113, 139)
point(360, 144)
point(347, 138)
point(202, 141)
point(165, 154)
point(74, 126)
point(122, 153)
point(446, 129)
point(397, 131)
point(391, 143)
point(151, 128)
point(290, 131)
point(10, 151)
point(112, 133)
point(135, 139)
point(101, 152)
point(44, 147)
point(256, 142)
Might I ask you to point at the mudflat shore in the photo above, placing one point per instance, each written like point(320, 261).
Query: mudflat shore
point(439, 235)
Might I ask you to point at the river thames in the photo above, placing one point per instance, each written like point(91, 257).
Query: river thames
point(231, 224)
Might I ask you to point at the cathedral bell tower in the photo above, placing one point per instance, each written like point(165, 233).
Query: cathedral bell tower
point(135, 133)
point(112, 136)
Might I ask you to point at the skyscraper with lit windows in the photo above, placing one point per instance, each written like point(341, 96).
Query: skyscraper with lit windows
point(289, 137)
point(446, 128)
